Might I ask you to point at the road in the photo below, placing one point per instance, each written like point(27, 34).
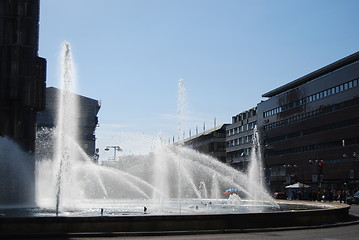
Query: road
point(347, 232)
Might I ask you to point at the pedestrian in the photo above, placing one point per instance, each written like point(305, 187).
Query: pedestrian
point(341, 196)
point(330, 197)
point(344, 197)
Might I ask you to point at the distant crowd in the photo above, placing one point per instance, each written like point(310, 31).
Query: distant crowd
point(324, 195)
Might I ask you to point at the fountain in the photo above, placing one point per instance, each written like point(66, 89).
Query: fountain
point(170, 180)
point(172, 188)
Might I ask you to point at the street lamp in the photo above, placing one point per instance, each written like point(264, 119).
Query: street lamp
point(115, 148)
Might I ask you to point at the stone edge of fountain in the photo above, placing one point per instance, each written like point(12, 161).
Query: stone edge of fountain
point(324, 214)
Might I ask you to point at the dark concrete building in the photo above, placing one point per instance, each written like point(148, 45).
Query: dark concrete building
point(88, 109)
point(22, 94)
point(211, 142)
point(239, 136)
point(22, 72)
point(311, 120)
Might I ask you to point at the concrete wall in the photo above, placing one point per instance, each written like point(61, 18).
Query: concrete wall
point(187, 223)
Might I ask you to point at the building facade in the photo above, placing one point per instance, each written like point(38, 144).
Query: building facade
point(88, 120)
point(22, 71)
point(310, 128)
point(22, 94)
point(211, 142)
point(239, 135)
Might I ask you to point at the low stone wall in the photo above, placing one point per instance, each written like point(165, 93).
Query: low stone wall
point(331, 213)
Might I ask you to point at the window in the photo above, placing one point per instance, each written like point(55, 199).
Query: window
point(332, 91)
point(277, 171)
point(350, 84)
point(325, 93)
point(346, 86)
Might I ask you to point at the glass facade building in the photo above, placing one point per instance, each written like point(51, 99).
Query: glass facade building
point(310, 120)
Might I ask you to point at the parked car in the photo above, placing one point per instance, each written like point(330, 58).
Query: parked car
point(280, 195)
point(354, 198)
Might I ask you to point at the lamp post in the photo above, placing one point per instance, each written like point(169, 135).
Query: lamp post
point(115, 149)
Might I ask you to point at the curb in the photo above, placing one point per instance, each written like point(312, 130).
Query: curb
point(354, 221)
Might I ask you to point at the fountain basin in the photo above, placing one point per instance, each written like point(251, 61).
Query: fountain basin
point(294, 214)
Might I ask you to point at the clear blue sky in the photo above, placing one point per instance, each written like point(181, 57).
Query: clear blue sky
point(129, 54)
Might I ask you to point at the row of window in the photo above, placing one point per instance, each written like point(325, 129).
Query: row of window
point(240, 141)
point(314, 97)
point(347, 123)
point(313, 147)
point(244, 115)
point(243, 128)
point(277, 171)
point(312, 114)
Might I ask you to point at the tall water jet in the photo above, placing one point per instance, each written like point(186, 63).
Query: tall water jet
point(181, 103)
point(67, 121)
point(255, 171)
